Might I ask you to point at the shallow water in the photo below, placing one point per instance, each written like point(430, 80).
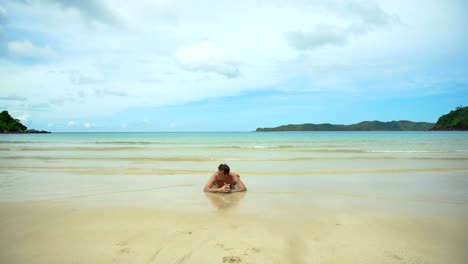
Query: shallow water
point(379, 172)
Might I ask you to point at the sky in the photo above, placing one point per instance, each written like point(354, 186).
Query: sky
point(212, 65)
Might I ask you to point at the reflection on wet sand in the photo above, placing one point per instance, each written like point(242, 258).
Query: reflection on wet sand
point(225, 201)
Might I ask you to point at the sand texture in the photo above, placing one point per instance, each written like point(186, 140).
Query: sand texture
point(49, 233)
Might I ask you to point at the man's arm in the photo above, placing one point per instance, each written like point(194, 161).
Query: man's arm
point(240, 185)
point(209, 185)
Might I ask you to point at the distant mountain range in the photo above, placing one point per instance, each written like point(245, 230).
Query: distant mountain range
point(455, 120)
point(402, 125)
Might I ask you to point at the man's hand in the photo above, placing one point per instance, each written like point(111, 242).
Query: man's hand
point(226, 188)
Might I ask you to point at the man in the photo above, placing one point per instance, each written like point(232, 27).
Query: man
point(225, 181)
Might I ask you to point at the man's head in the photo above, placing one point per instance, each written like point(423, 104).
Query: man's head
point(224, 169)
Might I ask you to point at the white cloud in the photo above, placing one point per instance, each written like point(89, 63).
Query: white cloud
point(146, 121)
point(123, 125)
point(368, 11)
point(172, 124)
point(26, 49)
point(320, 36)
point(208, 57)
point(208, 50)
point(349, 19)
point(95, 10)
point(71, 123)
point(24, 118)
point(89, 125)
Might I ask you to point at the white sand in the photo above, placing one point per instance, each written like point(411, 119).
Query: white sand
point(66, 233)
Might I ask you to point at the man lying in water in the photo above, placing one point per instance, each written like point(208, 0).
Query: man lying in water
point(225, 181)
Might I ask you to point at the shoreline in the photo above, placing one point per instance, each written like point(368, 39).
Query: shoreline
point(33, 131)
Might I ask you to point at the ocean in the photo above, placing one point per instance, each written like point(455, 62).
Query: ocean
point(280, 169)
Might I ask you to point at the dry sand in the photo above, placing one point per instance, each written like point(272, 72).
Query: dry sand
point(67, 233)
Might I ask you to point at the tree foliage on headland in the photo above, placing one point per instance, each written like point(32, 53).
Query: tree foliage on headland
point(402, 125)
point(455, 120)
point(10, 125)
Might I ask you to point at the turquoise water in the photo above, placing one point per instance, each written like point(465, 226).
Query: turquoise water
point(128, 168)
point(256, 153)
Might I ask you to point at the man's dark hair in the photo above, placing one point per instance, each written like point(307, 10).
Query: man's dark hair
point(225, 168)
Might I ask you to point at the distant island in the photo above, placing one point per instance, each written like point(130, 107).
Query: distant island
point(10, 125)
point(455, 120)
point(402, 125)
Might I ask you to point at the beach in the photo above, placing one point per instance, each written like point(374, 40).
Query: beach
point(312, 198)
point(49, 233)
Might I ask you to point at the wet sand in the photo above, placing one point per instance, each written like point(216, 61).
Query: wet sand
point(49, 232)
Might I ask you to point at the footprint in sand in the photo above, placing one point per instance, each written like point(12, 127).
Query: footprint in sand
point(394, 256)
point(256, 250)
point(220, 245)
point(123, 247)
point(122, 243)
point(401, 257)
point(124, 251)
point(232, 259)
point(252, 250)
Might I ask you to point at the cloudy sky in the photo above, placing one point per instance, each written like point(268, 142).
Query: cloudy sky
point(211, 65)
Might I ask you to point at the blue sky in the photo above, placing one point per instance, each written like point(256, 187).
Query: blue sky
point(229, 65)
